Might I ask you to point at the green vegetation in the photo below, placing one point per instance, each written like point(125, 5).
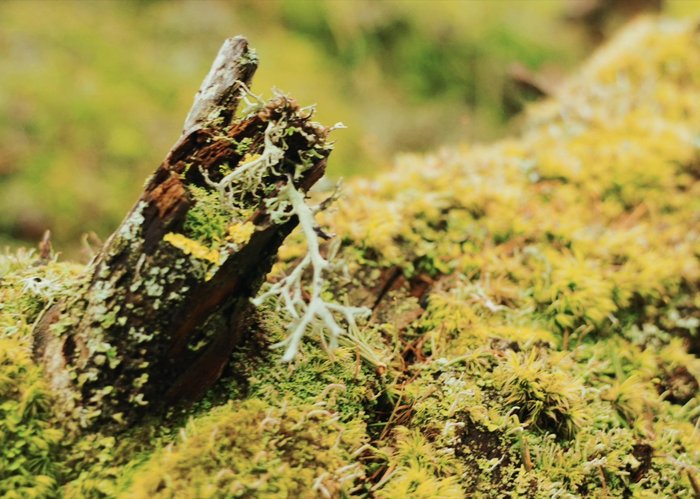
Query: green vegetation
point(92, 94)
point(541, 340)
point(30, 440)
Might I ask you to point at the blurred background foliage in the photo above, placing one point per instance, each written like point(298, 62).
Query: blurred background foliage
point(93, 93)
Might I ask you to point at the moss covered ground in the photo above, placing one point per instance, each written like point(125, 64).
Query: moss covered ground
point(536, 306)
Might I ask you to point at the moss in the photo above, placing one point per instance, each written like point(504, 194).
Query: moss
point(207, 220)
point(252, 448)
point(536, 332)
point(29, 439)
point(418, 469)
point(343, 382)
point(580, 236)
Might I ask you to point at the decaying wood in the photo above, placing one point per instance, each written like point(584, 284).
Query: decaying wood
point(146, 326)
point(220, 90)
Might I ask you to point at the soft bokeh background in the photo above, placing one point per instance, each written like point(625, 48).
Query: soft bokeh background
point(93, 93)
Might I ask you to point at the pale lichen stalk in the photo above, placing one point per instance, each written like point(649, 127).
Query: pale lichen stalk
point(290, 290)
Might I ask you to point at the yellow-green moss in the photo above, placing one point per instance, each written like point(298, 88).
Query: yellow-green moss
point(553, 353)
point(29, 441)
point(253, 449)
point(573, 262)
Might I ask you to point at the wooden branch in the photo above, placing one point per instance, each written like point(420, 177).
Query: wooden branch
point(162, 306)
point(220, 91)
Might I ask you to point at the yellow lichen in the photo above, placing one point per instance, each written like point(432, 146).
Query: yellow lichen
point(249, 157)
point(192, 247)
point(546, 341)
point(240, 233)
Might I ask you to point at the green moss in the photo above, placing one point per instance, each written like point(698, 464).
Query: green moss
point(29, 439)
point(537, 335)
point(252, 448)
point(28, 442)
point(208, 219)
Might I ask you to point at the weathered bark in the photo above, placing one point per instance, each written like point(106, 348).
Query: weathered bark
point(161, 307)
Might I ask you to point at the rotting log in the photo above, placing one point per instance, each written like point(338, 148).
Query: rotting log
point(161, 307)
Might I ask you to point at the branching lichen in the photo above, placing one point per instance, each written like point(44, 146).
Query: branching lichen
point(248, 178)
point(250, 174)
point(548, 354)
point(314, 311)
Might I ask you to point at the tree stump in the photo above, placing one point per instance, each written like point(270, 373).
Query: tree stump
point(161, 307)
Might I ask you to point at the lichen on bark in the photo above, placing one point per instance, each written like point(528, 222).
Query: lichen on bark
point(534, 330)
point(167, 298)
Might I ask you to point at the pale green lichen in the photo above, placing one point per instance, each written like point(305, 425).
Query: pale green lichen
point(314, 313)
point(548, 349)
point(131, 229)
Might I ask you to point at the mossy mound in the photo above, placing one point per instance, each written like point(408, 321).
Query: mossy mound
point(535, 327)
point(30, 440)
